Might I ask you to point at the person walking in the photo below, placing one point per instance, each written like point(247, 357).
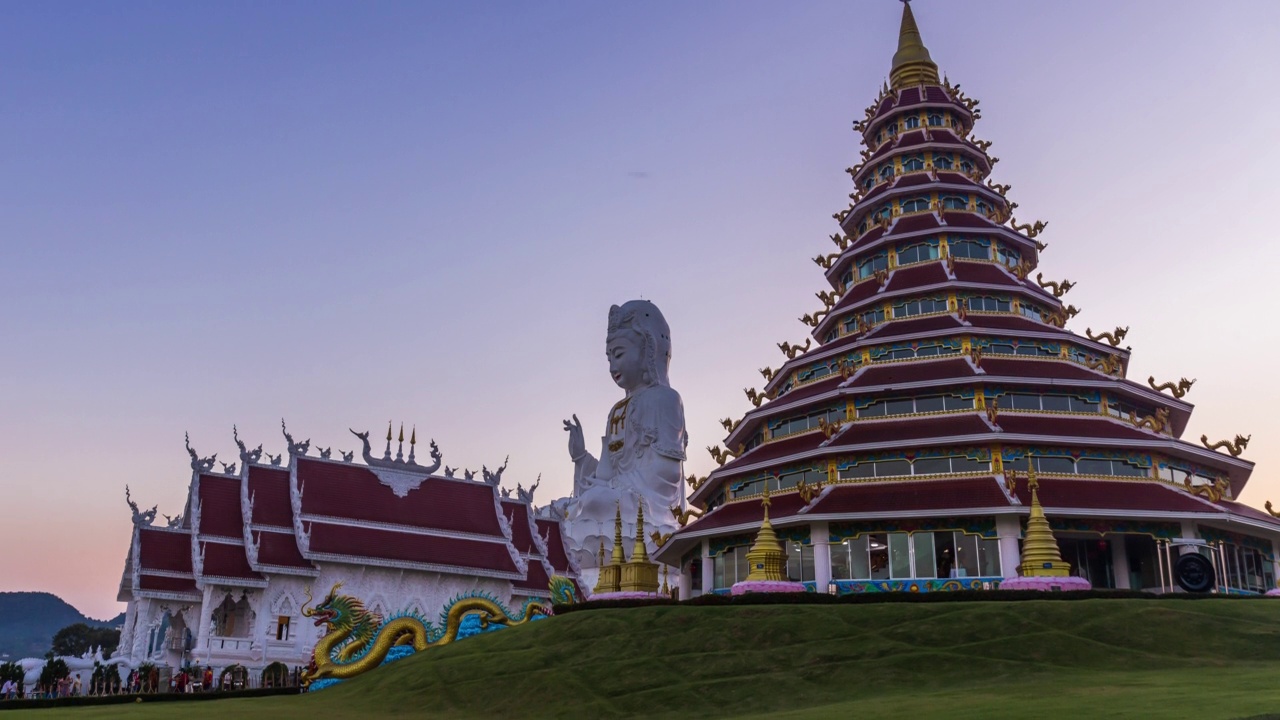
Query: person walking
point(7, 690)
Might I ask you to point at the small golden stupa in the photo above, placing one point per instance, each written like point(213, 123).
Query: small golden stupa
point(621, 575)
point(766, 558)
point(1040, 556)
point(611, 574)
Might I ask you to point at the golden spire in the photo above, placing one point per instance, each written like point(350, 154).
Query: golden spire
point(640, 553)
point(911, 64)
point(1040, 556)
point(617, 558)
point(413, 439)
point(765, 559)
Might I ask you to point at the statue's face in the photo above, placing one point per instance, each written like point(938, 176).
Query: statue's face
point(626, 360)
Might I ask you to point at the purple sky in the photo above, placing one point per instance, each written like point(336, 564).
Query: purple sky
point(347, 213)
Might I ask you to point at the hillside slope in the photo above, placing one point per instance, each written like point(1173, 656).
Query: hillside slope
point(28, 621)
point(1094, 658)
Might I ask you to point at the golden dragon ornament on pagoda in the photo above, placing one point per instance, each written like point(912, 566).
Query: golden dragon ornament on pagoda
point(1179, 389)
point(357, 640)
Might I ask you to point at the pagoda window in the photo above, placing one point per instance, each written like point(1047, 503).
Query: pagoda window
point(982, 207)
point(1122, 410)
point(920, 252)
point(923, 306)
point(972, 248)
point(873, 265)
point(989, 304)
point(966, 166)
point(943, 162)
point(804, 423)
point(1094, 466)
point(755, 440)
point(1055, 465)
point(955, 202)
point(799, 562)
point(884, 212)
point(1031, 311)
point(935, 120)
point(869, 183)
point(1035, 351)
point(913, 163)
point(878, 556)
point(891, 128)
point(886, 172)
point(916, 204)
point(907, 406)
point(949, 465)
point(871, 317)
point(911, 122)
point(1008, 256)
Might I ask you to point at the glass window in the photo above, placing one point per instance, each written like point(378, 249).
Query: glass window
point(945, 552)
point(878, 556)
point(886, 172)
point(839, 562)
point(892, 128)
point(872, 265)
point(1091, 466)
point(1119, 467)
point(913, 163)
point(859, 568)
point(911, 122)
point(932, 466)
point(892, 468)
point(915, 205)
point(922, 544)
point(970, 249)
point(933, 403)
point(955, 202)
point(1030, 311)
point(718, 570)
point(741, 567)
point(1059, 465)
point(859, 471)
point(966, 166)
point(961, 463)
point(917, 253)
point(989, 557)
point(989, 304)
point(899, 555)
point(967, 555)
point(1082, 405)
point(875, 409)
point(954, 402)
point(1055, 403)
point(1007, 256)
point(799, 562)
point(942, 162)
point(935, 120)
point(899, 406)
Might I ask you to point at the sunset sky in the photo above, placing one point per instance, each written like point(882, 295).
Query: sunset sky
point(348, 213)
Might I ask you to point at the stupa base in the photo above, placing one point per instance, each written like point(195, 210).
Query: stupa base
point(1046, 584)
point(1273, 592)
point(767, 586)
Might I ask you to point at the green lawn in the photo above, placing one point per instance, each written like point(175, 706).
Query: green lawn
point(1091, 658)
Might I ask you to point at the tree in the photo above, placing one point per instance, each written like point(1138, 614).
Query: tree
point(79, 638)
point(54, 670)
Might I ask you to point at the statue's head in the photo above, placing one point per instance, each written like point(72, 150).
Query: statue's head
point(638, 345)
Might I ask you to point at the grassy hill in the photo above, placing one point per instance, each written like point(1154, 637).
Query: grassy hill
point(1094, 658)
point(28, 621)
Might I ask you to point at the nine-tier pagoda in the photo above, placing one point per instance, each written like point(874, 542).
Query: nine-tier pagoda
point(896, 440)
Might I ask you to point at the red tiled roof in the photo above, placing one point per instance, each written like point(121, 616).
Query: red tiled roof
point(1064, 493)
point(1047, 369)
point(269, 490)
point(930, 273)
point(807, 391)
point(914, 371)
point(912, 180)
point(352, 491)
point(536, 578)
point(911, 495)
point(1067, 426)
point(914, 223)
point(279, 550)
point(156, 583)
point(220, 507)
point(518, 516)
point(164, 550)
point(866, 432)
point(226, 561)
point(776, 449)
point(871, 236)
point(555, 544)
point(985, 273)
point(900, 328)
point(967, 220)
point(748, 511)
point(404, 547)
point(1247, 511)
point(858, 293)
point(1010, 322)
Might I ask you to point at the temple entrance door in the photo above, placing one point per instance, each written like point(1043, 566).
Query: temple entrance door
point(1090, 558)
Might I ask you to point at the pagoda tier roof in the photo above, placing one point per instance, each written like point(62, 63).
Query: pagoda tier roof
point(360, 545)
point(168, 585)
point(1049, 369)
point(801, 442)
point(917, 140)
point(960, 495)
point(164, 550)
point(1065, 495)
point(894, 373)
point(940, 180)
point(1250, 515)
point(913, 326)
point(800, 394)
point(904, 282)
point(909, 97)
point(332, 489)
point(269, 490)
point(521, 533)
point(748, 512)
point(279, 550)
point(1087, 427)
point(220, 506)
point(557, 554)
point(912, 276)
point(536, 580)
point(877, 236)
point(864, 433)
point(226, 562)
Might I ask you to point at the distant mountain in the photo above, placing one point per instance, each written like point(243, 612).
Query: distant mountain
point(28, 621)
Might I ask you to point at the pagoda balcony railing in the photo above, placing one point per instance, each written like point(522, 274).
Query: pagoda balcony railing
point(229, 644)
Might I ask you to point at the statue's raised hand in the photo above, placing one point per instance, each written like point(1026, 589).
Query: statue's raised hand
point(577, 445)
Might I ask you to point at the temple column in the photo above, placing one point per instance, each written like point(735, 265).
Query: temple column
point(708, 572)
point(1275, 560)
point(1120, 562)
point(1188, 533)
point(1009, 531)
point(686, 581)
point(820, 536)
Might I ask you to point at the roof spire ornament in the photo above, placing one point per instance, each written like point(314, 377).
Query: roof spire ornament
point(911, 64)
point(387, 455)
point(413, 441)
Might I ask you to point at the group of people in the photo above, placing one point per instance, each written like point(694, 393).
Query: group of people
point(69, 686)
point(194, 681)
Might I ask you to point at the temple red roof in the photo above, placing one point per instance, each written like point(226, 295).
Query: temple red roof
point(776, 449)
point(269, 490)
point(556, 554)
point(353, 492)
point(226, 561)
point(901, 328)
point(350, 543)
point(220, 507)
point(913, 371)
point(1070, 426)
point(518, 515)
point(164, 550)
point(913, 276)
point(536, 580)
point(279, 550)
point(911, 496)
point(748, 511)
point(163, 584)
point(865, 432)
point(1061, 494)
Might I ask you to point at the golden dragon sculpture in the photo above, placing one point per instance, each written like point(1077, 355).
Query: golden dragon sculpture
point(1235, 448)
point(1113, 338)
point(1178, 390)
point(1031, 231)
point(729, 424)
point(825, 261)
point(791, 351)
point(1110, 365)
point(721, 455)
point(1159, 422)
point(1057, 288)
point(696, 482)
point(1212, 492)
point(683, 516)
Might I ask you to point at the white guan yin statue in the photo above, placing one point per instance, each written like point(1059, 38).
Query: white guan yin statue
point(643, 448)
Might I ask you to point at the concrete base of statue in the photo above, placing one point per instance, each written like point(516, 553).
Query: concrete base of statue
point(1046, 584)
point(629, 596)
point(767, 586)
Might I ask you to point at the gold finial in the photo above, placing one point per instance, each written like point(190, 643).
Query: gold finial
point(617, 558)
point(388, 431)
point(1040, 556)
point(600, 556)
point(911, 64)
point(401, 432)
point(640, 553)
point(413, 438)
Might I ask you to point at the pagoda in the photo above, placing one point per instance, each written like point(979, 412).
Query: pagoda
point(939, 361)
